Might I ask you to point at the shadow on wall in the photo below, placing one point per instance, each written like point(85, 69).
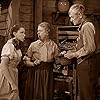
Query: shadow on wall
point(2, 42)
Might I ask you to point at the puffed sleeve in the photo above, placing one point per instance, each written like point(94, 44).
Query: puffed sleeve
point(30, 51)
point(7, 51)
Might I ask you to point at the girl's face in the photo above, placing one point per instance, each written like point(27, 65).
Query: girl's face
point(42, 33)
point(20, 34)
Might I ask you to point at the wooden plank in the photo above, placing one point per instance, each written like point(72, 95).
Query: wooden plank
point(3, 25)
point(4, 11)
point(26, 17)
point(48, 11)
point(68, 33)
point(49, 3)
point(26, 2)
point(28, 25)
point(3, 32)
point(26, 9)
point(3, 17)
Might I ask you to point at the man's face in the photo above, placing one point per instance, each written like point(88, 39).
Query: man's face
point(75, 17)
point(42, 33)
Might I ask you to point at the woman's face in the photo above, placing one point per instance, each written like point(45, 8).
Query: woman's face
point(75, 17)
point(42, 33)
point(20, 35)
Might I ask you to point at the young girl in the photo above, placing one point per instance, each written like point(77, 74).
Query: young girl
point(10, 58)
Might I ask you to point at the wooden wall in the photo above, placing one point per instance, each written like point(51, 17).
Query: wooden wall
point(29, 13)
point(3, 24)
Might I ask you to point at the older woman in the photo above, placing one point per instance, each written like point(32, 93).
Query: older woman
point(40, 57)
point(10, 58)
point(85, 52)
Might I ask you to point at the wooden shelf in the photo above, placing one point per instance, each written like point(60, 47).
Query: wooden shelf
point(67, 36)
point(67, 32)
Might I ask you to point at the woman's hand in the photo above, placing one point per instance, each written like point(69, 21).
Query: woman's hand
point(62, 53)
point(37, 62)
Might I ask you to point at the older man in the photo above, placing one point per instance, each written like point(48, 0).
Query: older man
point(85, 49)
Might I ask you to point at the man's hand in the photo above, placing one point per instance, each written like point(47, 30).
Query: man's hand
point(69, 55)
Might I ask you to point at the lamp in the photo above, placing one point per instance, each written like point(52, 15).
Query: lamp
point(62, 6)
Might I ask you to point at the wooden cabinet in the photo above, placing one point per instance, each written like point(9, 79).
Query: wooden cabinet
point(63, 82)
point(66, 37)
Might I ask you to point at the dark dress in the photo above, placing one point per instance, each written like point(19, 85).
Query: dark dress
point(39, 83)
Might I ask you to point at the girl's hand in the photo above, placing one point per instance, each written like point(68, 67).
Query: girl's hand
point(14, 87)
point(25, 58)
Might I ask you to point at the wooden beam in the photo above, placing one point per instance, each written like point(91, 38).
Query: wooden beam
point(38, 14)
point(15, 11)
